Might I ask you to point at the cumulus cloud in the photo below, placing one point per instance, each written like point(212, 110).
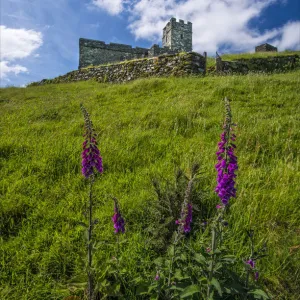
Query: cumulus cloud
point(17, 44)
point(6, 68)
point(113, 7)
point(290, 37)
point(216, 23)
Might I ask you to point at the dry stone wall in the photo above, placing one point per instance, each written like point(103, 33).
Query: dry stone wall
point(266, 65)
point(164, 65)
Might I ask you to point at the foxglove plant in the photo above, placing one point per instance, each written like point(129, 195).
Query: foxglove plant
point(225, 189)
point(250, 263)
point(185, 220)
point(91, 164)
point(119, 223)
point(227, 161)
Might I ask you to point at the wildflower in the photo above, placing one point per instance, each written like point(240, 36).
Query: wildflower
point(251, 263)
point(227, 161)
point(187, 209)
point(186, 218)
point(256, 276)
point(119, 223)
point(157, 276)
point(208, 249)
point(91, 158)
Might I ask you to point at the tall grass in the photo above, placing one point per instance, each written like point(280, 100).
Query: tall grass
point(147, 128)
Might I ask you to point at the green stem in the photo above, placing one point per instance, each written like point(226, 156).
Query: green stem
point(212, 262)
point(90, 228)
point(249, 270)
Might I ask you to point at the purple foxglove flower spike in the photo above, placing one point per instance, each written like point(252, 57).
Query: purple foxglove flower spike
point(119, 223)
point(91, 158)
point(227, 161)
point(187, 209)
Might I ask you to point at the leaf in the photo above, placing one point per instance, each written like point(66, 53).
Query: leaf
point(229, 258)
point(158, 261)
point(190, 290)
point(234, 288)
point(200, 258)
point(183, 257)
point(82, 224)
point(217, 285)
point(178, 274)
point(259, 292)
point(171, 250)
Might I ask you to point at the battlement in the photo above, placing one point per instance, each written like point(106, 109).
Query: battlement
point(173, 23)
point(111, 46)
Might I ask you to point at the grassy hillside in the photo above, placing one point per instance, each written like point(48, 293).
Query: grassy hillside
point(147, 129)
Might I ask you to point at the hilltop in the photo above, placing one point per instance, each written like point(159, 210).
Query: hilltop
point(148, 128)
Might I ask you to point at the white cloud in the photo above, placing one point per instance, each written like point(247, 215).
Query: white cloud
point(215, 22)
point(113, 7)
point(6, 68)
point(17, 44)
point(290, 38)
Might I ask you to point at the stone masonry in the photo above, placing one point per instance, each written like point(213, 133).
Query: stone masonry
point(177, 37)
point(92, 52)
point(265, 48)
point(182, 64)
point(258, 64)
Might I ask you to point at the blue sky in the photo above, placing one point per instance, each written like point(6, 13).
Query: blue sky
point(39, 38)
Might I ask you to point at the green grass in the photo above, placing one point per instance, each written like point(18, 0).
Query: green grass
point(257, 55)
point(147, 128)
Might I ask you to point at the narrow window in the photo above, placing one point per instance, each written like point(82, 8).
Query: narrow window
point(166, 38)
point(181, 36)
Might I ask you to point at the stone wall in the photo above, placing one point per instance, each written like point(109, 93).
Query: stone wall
point(164, 65)
point(155, 50)
point(92, 52)
point(267, 64)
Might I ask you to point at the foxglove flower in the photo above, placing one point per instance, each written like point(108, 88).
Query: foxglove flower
point(227, 161)
point(256, 276)
point(251, 263)
point(91, 158)
point(186, 218)
point(119, 223)
point(187, 209)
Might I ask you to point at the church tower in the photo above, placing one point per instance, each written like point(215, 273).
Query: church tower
point(177, 36)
